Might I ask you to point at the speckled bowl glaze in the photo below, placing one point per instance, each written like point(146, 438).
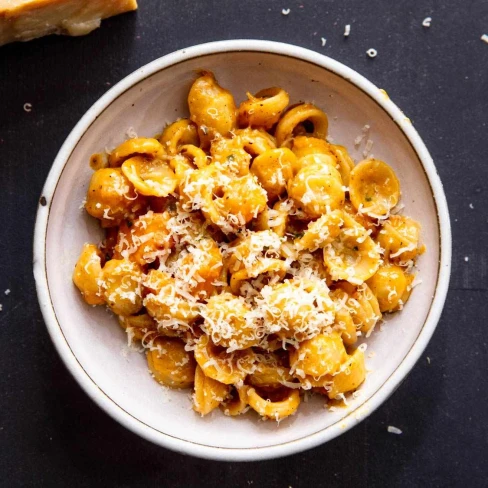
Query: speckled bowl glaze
point(89, 340)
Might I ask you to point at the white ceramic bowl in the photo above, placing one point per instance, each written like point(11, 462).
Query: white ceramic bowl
point(89, 340)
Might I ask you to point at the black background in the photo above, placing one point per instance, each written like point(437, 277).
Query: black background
point(51, 434)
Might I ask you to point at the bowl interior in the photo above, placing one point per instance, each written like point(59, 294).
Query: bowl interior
point(93, 335)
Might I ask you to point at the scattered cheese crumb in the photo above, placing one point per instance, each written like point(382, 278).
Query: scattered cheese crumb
point(28, 107)
point(360, 137)
point(466, 258)
point(484, 38)
point(131, 133)
point(372, 53)
point(7, 291)
point(394, 430)
point(426, 22)
point(324, 40)
point(471, 206)
point(1, 307)
point(347, 30)
point(367, 148)
point(428, 359)
point(285, 11)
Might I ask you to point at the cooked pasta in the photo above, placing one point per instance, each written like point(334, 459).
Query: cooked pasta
point(248, 255)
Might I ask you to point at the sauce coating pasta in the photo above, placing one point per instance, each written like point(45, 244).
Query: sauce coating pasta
point(246, 253)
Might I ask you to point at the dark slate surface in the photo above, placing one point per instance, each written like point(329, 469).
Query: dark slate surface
point(51, 434)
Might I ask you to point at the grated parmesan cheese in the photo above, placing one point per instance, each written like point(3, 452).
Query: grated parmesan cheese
point(131, 133)
point(286, 11)
point(347, 30)
point(364, 133)
point(7, 291)
point(426, 22)
point(372, 53)
point(28, 107)
point(484, 38)
point(394, 430)
point(281, 296)
point(367, 148)
point(323, 41)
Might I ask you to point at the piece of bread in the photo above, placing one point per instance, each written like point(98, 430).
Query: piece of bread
point(23, 20)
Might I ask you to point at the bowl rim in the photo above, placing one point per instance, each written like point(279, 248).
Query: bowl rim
point(394, 380)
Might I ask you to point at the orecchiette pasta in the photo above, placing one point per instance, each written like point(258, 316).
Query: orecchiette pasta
point(362, 305)
point(112, 198)
point(399, 237)
point(305, 145)
point(216, 363)
point(255, 141)
point(374, 188)
point(322, 231)
point(212, 108)
point(263, 109)
point(352, 374)
point(121, 285)
point(319, 356)
point(170, 364)
point(151, 178)
point(148, 147)
point(141, 327)
point(344, 162)
point(270, 371)
point(273, 169)
point(165, 301)
point(248, 255)
point(227, 322)
point(208, 394)
point(389, 285)
point(88, 275)
point(236, 402)
point(180, 133)
point(283, 402)
point(302, 119)
point(145, 239)
point(317, 186)
point(352, 255)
